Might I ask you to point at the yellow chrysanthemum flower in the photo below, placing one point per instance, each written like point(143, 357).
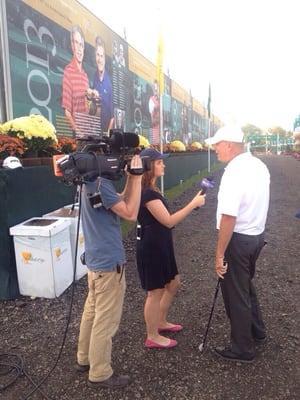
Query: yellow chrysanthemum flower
point(143, 141)
point(177, 145)
point(196, 146)
point(31, 126)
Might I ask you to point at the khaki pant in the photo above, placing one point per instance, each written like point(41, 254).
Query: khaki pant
point(100, 321)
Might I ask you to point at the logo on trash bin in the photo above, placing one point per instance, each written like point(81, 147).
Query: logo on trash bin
point(58, 252)
point(27, 256)
point(81, 239)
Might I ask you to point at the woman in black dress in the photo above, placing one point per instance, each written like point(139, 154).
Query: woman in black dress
point(155, 252)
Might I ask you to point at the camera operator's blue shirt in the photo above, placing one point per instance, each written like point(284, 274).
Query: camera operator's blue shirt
point(104, 88)
point(101, 228)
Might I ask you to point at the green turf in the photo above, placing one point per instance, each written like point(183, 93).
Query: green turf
point(177, 190)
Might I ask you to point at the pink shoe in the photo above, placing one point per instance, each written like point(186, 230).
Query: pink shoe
point(174, 328)
point(150, 344)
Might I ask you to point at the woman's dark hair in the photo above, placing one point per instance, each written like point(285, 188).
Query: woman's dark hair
point(148, 179)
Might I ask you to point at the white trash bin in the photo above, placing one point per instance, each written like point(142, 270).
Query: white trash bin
point(43, 256)
point(67, 213)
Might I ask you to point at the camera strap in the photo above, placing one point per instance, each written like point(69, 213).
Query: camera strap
point(99, 184)
point(97, 161)
point(99, 170)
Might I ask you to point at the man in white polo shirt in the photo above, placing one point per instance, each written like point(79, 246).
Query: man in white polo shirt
point(243, 202)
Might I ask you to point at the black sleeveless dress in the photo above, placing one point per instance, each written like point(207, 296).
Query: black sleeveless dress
point(155, 252)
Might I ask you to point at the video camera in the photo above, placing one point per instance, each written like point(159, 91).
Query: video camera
point(106, 157)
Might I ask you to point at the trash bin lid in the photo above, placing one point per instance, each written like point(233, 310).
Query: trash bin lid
point(64, 212)
point(39, 222)
point(39, 226)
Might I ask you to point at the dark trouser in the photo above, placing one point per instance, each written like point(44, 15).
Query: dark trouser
point(239, 293)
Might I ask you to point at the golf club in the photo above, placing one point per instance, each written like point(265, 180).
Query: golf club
point(201, 345)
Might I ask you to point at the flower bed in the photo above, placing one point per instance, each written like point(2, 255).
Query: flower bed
point(35, 131)
point(33, 138)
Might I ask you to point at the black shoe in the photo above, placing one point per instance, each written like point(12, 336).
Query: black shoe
point(229, 355)
point(260, 340)
point(114, 382)
point(81, 368)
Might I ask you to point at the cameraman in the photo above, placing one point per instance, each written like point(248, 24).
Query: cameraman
point(105, 258)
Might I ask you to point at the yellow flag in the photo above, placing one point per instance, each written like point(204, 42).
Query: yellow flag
point(160, 70)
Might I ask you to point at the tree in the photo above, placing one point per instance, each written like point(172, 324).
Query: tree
point(277, 130)
point(253, 134)
point(251, 129)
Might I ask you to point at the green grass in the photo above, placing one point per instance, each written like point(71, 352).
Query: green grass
point(174, 192)
point(177, 190)
point(127, 227)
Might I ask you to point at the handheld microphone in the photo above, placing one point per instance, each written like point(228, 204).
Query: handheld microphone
point(207, 183)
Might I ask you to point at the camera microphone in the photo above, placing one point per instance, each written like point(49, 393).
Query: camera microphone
point(119, 140)
point(106, 156)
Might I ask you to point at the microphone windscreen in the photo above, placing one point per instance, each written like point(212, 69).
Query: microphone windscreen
point(207, 183)
point(131, 139)
point(119, 139)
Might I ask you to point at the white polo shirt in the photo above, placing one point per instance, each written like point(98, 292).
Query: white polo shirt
point(244, 193)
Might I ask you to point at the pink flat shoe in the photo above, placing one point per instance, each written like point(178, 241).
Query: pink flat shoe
point(175, 328)
point(150, 344)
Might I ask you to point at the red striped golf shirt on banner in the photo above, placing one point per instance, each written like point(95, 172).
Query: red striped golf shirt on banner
point(74, 87)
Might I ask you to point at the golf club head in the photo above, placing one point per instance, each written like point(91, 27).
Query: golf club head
point(201, 347)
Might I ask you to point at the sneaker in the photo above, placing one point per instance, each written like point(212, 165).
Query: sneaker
point(229, 355)
point(114, 382)
point(81, 368)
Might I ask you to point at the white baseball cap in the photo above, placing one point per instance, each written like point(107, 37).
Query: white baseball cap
point(11, 163)
point(229, 133)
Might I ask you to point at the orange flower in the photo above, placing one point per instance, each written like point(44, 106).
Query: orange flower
point(11, 146)
point(66, 144)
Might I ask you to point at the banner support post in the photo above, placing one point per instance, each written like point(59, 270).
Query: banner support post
point(208, 150)
point(161, 130)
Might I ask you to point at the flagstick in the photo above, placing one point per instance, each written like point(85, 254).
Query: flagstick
point(160, 80)
point(209, 127)
point(161, 126)
point(208, 153)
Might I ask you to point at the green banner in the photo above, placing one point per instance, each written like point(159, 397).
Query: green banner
point(68, 66)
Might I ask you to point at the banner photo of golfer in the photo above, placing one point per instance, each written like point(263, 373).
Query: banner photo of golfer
point(67, 65)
